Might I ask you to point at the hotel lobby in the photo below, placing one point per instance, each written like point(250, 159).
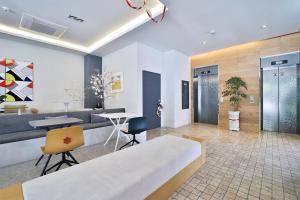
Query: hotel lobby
point(149, 99)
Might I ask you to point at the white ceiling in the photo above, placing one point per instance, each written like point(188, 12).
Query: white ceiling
point(101, 17)
point(186, 24)
point(103, 20)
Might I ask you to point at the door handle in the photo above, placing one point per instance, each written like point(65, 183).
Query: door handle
point(159, 108)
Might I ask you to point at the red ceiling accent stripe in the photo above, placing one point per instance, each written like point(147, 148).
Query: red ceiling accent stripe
point(162, 17)
point(135, 7)
point(129, 3)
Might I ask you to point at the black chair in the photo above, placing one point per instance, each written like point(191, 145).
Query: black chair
point(135, 126)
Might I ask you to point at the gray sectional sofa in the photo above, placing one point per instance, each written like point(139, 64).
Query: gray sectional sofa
point(14, 128)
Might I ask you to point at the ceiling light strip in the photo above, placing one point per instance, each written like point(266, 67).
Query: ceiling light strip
point(132, 24)
point(32, 36)
point(141, 19)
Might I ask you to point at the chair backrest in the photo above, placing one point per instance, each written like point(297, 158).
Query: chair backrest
point(64, 139)
point(137, 125)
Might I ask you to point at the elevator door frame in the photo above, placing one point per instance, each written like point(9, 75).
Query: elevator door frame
point(292, 62)
point(218, 104)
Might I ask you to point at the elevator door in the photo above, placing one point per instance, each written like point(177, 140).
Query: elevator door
point(280, 92)
point(270, 99)
point(288, 99)
point(208, 98)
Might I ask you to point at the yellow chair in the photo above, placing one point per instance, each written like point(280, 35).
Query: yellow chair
point(62, 141)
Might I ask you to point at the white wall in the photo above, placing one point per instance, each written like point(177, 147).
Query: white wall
point(151, 60)
point(54, 71)
point(132, 60)
point(124, 60)
point(168, 96)
point(181, 72)
point(176, 68)
point(173, 67)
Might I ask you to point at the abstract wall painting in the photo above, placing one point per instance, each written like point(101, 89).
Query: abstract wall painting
point(16, 80)
point(117, 84)
point(2, 80)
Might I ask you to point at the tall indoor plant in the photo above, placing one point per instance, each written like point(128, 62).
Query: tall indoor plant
point(234, 89)
point(100, 84)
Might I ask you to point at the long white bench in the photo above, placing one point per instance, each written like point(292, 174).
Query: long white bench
point(152, 170)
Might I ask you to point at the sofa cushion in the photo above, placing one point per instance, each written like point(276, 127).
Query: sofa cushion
point(23, 135)
point(13, 123)
point(88, 126)
point(15, 128)
point(95, 118)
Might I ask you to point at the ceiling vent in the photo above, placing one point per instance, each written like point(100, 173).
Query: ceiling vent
point(38, 25)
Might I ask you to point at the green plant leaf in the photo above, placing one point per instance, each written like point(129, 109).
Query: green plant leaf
point(234, 90)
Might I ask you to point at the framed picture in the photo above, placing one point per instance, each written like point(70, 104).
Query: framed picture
point(16, 80)
point(117, 85)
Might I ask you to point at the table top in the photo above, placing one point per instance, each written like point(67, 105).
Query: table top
point(118, 115)
point(54, 122)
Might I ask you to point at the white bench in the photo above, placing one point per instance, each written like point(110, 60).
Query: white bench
point(152, 170)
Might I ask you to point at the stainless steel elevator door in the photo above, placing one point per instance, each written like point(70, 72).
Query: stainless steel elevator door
point(288, 99)
point(270, 99)
point(208, 108)
point(280, 88)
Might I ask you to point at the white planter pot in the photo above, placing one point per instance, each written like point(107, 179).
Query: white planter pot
point(234, 120)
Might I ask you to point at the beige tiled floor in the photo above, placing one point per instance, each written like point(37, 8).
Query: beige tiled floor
point(238, 166)
point(245, 166)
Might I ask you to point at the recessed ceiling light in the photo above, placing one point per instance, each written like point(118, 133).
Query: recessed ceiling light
point(264, 26)
point(212, 31)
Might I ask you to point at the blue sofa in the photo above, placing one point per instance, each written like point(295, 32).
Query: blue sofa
point(15, 128)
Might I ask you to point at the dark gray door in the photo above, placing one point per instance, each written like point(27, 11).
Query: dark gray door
point(151, 97)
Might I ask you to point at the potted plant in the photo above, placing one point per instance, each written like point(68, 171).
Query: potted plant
point(234, 89)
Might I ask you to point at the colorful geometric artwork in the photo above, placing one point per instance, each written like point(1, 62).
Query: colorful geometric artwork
point(16, 80)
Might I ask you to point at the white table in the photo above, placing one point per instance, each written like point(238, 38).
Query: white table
point(115, 119)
